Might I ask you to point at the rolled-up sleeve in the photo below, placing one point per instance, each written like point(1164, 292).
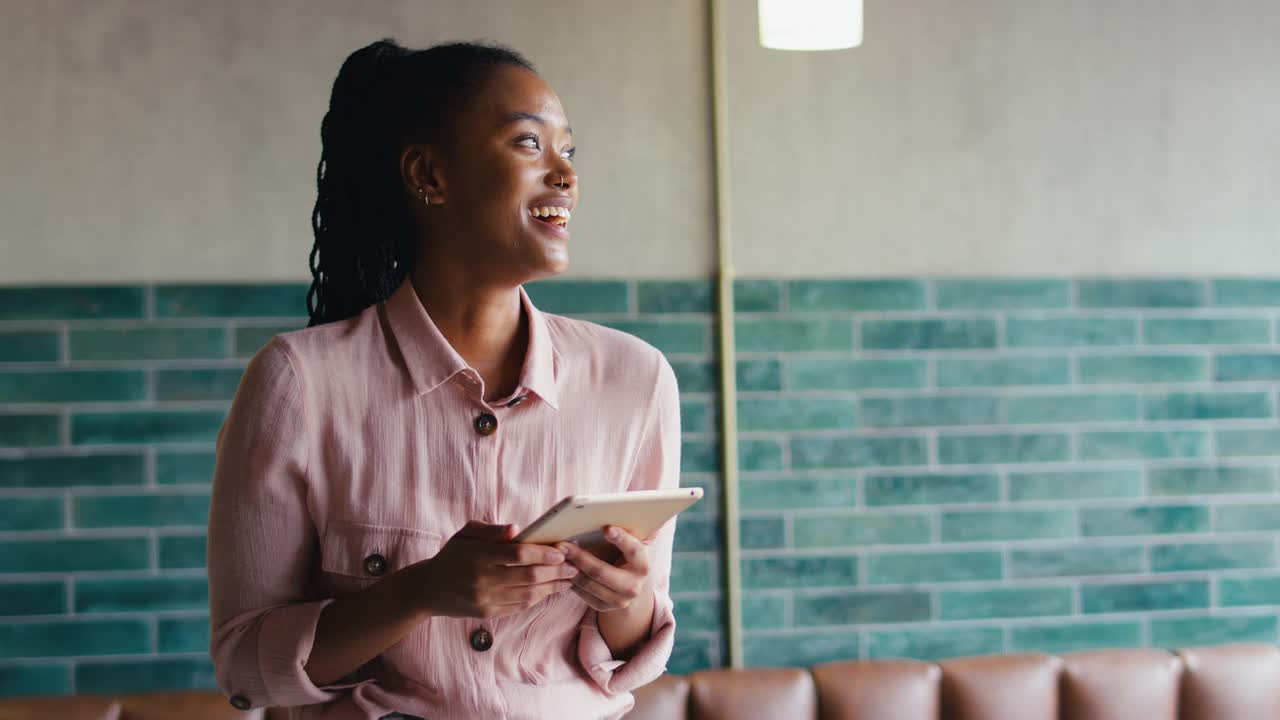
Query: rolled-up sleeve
point(657, 467)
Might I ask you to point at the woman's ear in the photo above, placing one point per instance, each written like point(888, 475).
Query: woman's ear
point(420, 173)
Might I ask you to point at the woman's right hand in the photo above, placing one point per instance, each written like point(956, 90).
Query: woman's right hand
point(480, 573)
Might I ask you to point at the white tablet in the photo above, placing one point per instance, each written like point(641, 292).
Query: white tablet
point(582, 518)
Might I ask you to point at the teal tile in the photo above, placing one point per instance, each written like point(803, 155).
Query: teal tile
point(1251, 366)
point(1071, 332)
point(150, 343)
point(704, 377)
point(694, 573)
point(997, 372)
point(138, 676)
point(145, 426)
point(1074, 408)
point(1247, 518)
point(1206, 331)
point(1246, 292)
point(795, 413)
point(948, 334)
point(1145, 596)
point(1003, 448)
point(762, 533)
point(1076, 561)
point(73, 555)
point(249, 340)
point(1140, 293)
point(1175, 633)
point(73, 471)
point(1239, 592)
point(699, 456)
point(33, 598)
point(1242, 443)
point(854, 608)
point(32, 680)
point(829, 374)
point(1143, 369)
point(854, 295)
point(797, 572)
point(28, 430)
point(71, 386)
point(1005, 603)
point(691, 654)
point(197, 384)
point(1002, 294)
point(1211, 480)
point(274, 300)
point(869, 529)
point(674, 337)
point(757, 455)
point(799, 649)
point(758, 375)
point(71, 303)
point(697, 534)
point(38, 513)
point(1146, 520)
point(181, 551)
point(797, 493)
point(793, 334)
point(183, 468)
point(763, 612)
point(815, 452)
point(580, 297)
point(144, 594)
point(931, 489)
point(1187, 557)
point(102, 511)
point(1207, 406)
point(933, 645)
point(695, 416)
point(907, 568)
point(1150, 444)
point(757, 295)
point(183, 635)
point(1061, 638)
point(706, 614)
point(934, 411)
point(29, 346)
point(973, 526)
point(65, 638)
point(675, 296)
point(703, 614)
point(1075, 485)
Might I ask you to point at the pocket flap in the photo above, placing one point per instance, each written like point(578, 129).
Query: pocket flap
point(348, 546)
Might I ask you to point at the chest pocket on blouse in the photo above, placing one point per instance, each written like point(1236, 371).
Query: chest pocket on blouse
point(355, 555)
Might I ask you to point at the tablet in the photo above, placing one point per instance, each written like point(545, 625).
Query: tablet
point(582, 518)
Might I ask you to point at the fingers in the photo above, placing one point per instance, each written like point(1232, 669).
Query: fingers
point(537, 574)
point(476, 530)
point(526, 554)
point(615, 578)
point(634, 551)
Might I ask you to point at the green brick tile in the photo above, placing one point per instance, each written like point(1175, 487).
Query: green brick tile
point(995, 372)
point(1206, 331)
point(138, 676)
point(1071, 332)
point(799, 649)
point(758, 375)
point(1147, 520)
point(949, 334)
point(1186, 557)
point(183, 635)
point(1005, 603)
point(848, 452)
point(756, 455)
point(1007, 525)
point(762, 533)
point(704, 377)
point(197, 384)
point(793, 335)
point(29, 679)
point(72, 471)
point(62, 638)
point(691, 654)
point(1003, 448)
point(1174, 633)
point(1075, 561)
point(846, 530)
point(31, 513)
point(763, 612)
point(182, 551)
point(71, 303)
point(1247, 518)
point(693, 573)
point(826, 374)
point(823, 295)
point(274, 300)
point(579, 297)
point(1086, 407)
point(28, 346)
point(757, 295)
point(28, 430)
point(933, 645)
point(149, 344)
point(1246, 292)
point(1075, 485)
point(1151, 444)
point(141, 594)
point(699, 614)
point(797, 493)
point(1239, 592)
point(675, 296)
point(33, 598)
point(1242, 443)
point(1251, 366)
point(100, 511)
point(695, 416)
point(1144, 596)
point(72, 555)
point(930, 411)
point(67, 386)
point(905, 568)
point(1143, 369)
point(669, 337)
point(796, 572)
point(145, 426)
point(795, 413)
point(1075, 637)
point(931, 489)
point(852, 608)
point(699, 456)
point(697, 534)
point(1207, 406)
point(999, 294)
point(1211, 480)
point(1140, 293)
point(249, 340)
point(182, 468)
point(706, 614)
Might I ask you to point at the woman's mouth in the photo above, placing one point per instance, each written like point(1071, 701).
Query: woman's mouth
point(553, 218)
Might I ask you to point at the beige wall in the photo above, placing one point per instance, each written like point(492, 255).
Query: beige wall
point(150, 140)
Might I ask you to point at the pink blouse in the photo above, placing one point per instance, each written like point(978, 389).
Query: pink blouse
point(356, 448)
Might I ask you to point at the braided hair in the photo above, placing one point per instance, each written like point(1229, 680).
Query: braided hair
point(385, 96)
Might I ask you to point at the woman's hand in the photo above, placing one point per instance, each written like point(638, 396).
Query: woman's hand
point(607, 587)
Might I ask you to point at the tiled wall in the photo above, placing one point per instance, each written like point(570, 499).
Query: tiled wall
point(930, 468)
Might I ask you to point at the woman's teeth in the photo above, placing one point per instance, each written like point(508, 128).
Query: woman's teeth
point(556, 215)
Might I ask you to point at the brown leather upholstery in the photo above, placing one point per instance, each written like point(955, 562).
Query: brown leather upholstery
point(148, 706)
point(982, 688)
point(1233, 681)
point(667, 698)
point(1120, 685)
point(766, 693)
point(879, 690)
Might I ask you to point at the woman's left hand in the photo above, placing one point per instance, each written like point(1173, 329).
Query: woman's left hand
point(607, 587)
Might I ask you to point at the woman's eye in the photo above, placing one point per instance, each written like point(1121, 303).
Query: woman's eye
point(570, 153)
point(528, 141)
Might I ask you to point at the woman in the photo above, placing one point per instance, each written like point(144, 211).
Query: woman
point(376, 466)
